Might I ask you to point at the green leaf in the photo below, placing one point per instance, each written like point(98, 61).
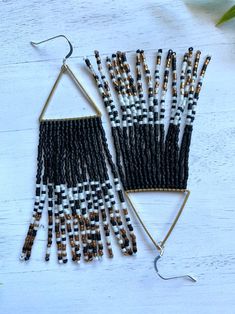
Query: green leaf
point(230, 14)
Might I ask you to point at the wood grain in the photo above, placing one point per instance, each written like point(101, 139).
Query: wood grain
point(203, 241)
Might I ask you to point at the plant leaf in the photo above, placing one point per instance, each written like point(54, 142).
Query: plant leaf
point(228, 15)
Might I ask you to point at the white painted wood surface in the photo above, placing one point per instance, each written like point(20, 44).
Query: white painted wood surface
point(203, 241)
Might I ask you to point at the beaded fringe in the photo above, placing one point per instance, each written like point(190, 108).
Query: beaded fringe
point(149, 150)
point(74, 184)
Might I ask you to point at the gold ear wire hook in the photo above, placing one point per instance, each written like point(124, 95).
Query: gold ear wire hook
point(63, 36)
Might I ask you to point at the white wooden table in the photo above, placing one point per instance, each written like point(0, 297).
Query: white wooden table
point(203, 241)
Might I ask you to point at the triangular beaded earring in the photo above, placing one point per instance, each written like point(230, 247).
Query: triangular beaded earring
point(150, 154)
point(78, 183)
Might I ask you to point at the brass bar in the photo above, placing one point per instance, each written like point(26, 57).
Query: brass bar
point(156, 190)
point(51, 93)
point(162, 243)
point(159, 248)
point(177, 217)
point(65, 68)
point(69, 119)
point(84, 91)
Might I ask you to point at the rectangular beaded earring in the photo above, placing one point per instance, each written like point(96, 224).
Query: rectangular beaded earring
point(150, 156)
point(74, 183)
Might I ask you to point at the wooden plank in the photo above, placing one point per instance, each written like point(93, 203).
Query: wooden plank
point(202, 242)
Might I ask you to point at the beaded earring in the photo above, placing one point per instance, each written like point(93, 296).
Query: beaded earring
point(150, 154)
point(74, 183)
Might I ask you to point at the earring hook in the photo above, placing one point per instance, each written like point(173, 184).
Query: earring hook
point(191, 278)
point(43, 41)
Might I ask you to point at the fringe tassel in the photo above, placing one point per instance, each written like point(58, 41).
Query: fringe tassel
point(149, 153)
point(74, 184)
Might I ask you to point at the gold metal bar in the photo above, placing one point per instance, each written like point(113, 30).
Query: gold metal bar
point(51, 93)
point(155, 190)
point(69, 119)
point(66, 69)
point(177, 217)
point(161, 244)
point(142, 223)
point(84, 91)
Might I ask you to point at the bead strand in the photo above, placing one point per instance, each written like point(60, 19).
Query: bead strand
point(157, 86)
point(105, 87)
point(140, 88)
point(182, 90)
point(133, 97)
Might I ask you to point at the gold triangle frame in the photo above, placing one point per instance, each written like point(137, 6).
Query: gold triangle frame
point(159, 245)
point(66, 69)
